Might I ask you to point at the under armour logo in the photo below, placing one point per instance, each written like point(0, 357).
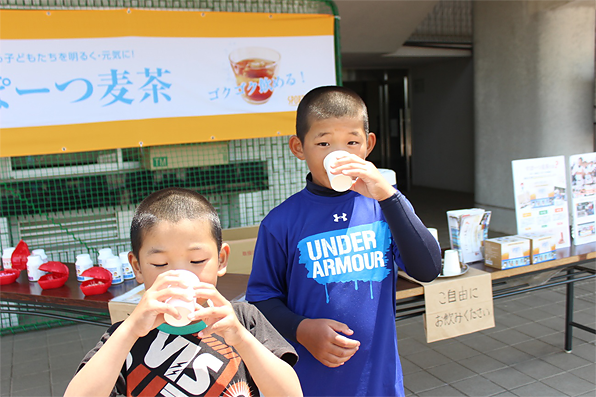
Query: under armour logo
point(343, 216)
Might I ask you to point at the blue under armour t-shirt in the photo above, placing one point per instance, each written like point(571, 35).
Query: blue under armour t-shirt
point(334, 257)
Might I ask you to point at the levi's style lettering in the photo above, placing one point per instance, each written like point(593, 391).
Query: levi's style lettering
point(345, 255)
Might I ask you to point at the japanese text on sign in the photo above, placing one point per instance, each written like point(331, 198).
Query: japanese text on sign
point(120, 86)
point(459, 305)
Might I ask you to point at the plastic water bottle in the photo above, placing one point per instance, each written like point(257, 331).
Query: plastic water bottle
point(83, 263)
point(104, 254)
point(127, 272)
point(114, 265)
point(33, 264)
point(6, 255)
point(41, 253)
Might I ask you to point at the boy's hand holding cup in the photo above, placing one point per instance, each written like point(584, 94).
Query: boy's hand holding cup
point(364, 177)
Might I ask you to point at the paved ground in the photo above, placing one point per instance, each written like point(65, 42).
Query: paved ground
point(522, 356)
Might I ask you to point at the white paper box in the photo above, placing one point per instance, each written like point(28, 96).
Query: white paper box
point(468, 228)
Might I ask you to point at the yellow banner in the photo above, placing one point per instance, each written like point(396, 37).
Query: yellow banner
point(83, 80)
point(149, 132)
point(71, 24)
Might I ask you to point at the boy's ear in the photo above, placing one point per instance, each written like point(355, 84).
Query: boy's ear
point(136, 267)
point(371, 141)
point(296, 147)
point(224, 255)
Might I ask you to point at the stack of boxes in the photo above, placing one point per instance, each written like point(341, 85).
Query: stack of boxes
point(521, 250)
point(542, 247)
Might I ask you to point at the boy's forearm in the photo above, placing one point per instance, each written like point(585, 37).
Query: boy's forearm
point(281, 317)
point(272, 375)
point(419, 250)
point(99, 375)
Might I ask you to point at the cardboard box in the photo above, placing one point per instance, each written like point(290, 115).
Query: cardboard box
point(542, 246)
point(468, 228)
point(457, 306)
point(184, 156)
point(242, 246)
point(507, 252)
point(121, 306)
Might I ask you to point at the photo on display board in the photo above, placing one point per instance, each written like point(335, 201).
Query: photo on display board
point(582, 174)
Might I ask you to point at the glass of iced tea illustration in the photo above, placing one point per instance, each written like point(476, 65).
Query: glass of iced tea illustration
point(256, 68)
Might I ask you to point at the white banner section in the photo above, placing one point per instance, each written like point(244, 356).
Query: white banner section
point(71, 81)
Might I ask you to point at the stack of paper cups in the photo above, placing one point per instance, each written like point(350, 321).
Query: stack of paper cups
point(451, 266)
point(127, 272)
point(339, 182)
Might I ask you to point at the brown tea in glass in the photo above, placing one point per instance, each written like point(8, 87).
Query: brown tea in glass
point(256, 67)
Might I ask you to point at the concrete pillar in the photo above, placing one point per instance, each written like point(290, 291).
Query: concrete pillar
point(534, 91)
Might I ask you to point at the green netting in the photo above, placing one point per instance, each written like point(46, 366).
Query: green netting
point(21, 318)
point(76, 203)
point(14, 323)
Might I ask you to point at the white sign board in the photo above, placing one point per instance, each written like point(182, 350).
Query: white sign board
point(540, 189)
point(583, 197)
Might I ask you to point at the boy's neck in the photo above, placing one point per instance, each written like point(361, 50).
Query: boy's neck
point(321, 190)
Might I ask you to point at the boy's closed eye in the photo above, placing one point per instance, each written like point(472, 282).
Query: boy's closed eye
point(165, 264)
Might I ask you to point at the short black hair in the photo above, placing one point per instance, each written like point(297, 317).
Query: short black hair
point(173, 205)
point(329, 102)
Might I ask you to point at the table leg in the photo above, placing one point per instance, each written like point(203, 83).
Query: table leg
point(569, 313)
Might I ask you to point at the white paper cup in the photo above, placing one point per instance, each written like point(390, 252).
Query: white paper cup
point(389, 176)
point(340, 182)
point(183, 307)
point(451, 266)
point(434, 232)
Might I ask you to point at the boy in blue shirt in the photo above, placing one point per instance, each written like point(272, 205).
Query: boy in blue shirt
point(227, 349)
point(325, 264)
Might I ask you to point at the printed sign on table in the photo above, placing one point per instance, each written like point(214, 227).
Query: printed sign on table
point(583, 197)
point(540, 189)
